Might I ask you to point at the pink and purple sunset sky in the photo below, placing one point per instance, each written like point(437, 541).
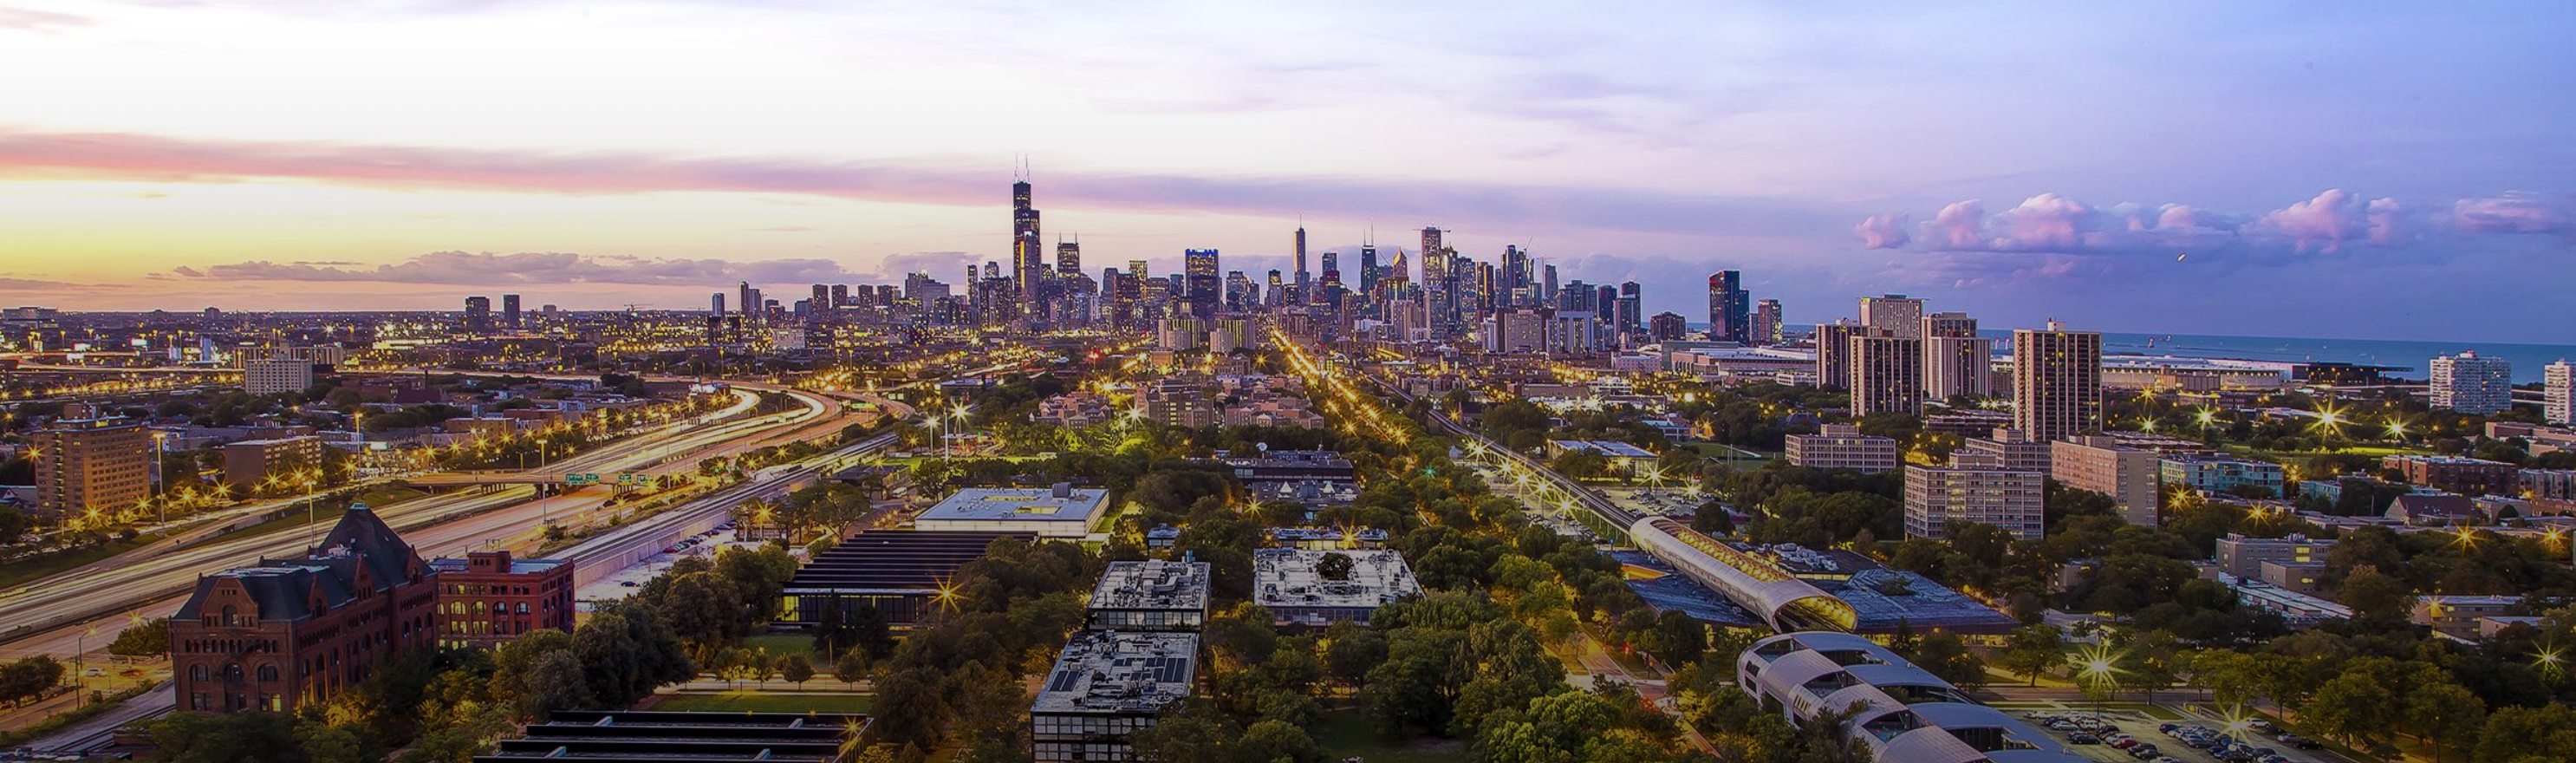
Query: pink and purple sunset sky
point(2381, 170)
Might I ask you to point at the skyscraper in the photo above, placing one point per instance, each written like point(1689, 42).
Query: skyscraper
point(478, 312)
point(1369, 272)
point(1729, 311)
point(1068, 257)
point(2473, 385)
point(1667, 326)
point(2559, 379)
point(1957, 365)
point(748, 298)
point(1766, 322)
point(1028, 265)
point(1631, 307)
point(1200, 284)
point(1833, 352)
point(2057, 382)
point(1886, 374)
point(1896, 314)
point(1430, 243)
point(510, 310)
point(89, 468)
point(1305, 279)
point(1332, 275)
point(820, 301)
point(715, 303)
point(1949, 324)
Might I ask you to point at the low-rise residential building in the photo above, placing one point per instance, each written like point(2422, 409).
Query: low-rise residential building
point(2300, 610)
point(1842, 446)
point(2457, 616)
point(1974, 488)
point(2011, 448)
point(2104, 465)
point(251, 462)
point(1300, 586)
point(1151, 595)
point(2220, 473)
point(1105, 687)
point(2549, 484)
point(2434, 510)
point(2456, 474)
point(2244, 557)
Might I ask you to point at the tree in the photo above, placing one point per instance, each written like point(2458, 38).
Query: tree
point(2354, 708)
point(149, 639)
point(555, 682)
point(1351, 651)
point(796, 669)
point(852, 667)
point(2033, 650)
point(2444, 715)
point(2378, 602)
point(1334, 566)
point(1944, 655)
point(243, 737)
point(2527, 735)
point(29, 677)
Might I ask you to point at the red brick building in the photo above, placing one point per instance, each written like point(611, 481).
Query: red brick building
point(488, 598)
point(287, 632)
point(2465, 476)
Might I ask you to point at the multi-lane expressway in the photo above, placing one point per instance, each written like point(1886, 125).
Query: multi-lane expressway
point(84, 609)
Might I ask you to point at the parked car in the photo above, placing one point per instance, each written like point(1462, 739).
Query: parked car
point(2082, 738)
point(2143, 751)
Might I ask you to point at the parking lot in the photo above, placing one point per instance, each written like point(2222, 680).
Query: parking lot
point(2118, 736)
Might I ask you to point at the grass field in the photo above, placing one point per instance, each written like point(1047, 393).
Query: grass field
point(750, 701)
point(1347, 733)
point(782, 644)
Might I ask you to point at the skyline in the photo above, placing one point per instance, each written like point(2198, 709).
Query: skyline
point(2318, 174)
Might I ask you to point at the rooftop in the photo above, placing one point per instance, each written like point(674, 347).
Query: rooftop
point(1113, 673)
point(1074, 505)
point(615, 736)
point(1610, 448)
point(1152, 584)
point(1287, 577)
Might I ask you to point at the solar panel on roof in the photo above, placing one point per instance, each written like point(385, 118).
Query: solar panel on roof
point(1063, 680)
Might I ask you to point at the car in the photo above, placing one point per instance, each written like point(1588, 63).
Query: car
point(95, 672)
point(2303, 743)
point(2123, 742)
point(2082, 738)
point(2261, 725)
point(2169, 728)
point(2276, 758)
point(130, 672)
point(2144, 750)
point(626, 583)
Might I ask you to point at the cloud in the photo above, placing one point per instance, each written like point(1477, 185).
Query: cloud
point(943, 180)
point(2334, 222)
point(38, 21)
point(1884, 231)
point(2517, 212)
point(468, 268)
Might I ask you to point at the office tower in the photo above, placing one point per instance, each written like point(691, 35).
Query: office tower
point(1766, 322)
point(2057, 382)
point(1305, 280)
point(1547, 286)
point(1068, 257)
point(2560, 380)
point(753, 306)
point(1949, 324)
point(1729, 311)
point(89, 467)
point(1833, 351)
point(821, 302)
point(747, 297)
point(1577, 296)
point(478, 312)
point(715, 303)
point(2469, 384)
point(1028, 265)
point(1631, 307)
point(1896, 314)
point(1605, 303)
point(1956, 365)
point(1332, 269)
point(1667, 327)
point(510, 310)
point(841, 295)
point(1275, 291)
point(1369, 273)
point(1136, 269)
point(1886, 375)
point(1199, 285)
point(1975, 487)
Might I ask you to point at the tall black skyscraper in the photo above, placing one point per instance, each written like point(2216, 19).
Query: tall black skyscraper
point(1730, 310)
point(510, 310)
point(1199, 283)
point(1068, 257)
point(1368, 268)
point(1028, 256)
point(1631, 307)
point(1305, 280)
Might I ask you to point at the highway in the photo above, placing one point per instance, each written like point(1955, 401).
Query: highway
point(52, 616)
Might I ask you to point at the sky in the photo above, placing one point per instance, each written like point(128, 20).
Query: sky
point(2396, 170)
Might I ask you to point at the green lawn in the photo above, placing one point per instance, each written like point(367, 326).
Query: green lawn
point(783, 644)
point(1346, 733)
point(755, 701)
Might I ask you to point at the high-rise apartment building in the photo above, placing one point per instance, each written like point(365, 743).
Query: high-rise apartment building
point(1842, 446)
point(1833, 352)
point(1729, 311)
point(1954, 366)
point(1896, 314)
point(1951, 324)
point(87, 469)
point(1766, 322)
point(2559, 379)
point(2057, 382)
point(1201, 286)
point(478, 312)
point(2469, 384)
point(510, 311)
point(1631, 308)
point(1667, 326)
point(748, 299)
point(2104, 465)
point(1886, 375)
point(715, 303)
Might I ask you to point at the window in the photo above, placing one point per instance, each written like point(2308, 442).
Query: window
point(198, 673)
point(268, 672)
